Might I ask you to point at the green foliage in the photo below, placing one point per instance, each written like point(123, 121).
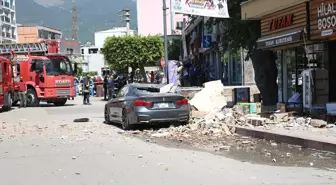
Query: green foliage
point(79, 71)
point(238, 33)
point(134, 51)
point(90, 73)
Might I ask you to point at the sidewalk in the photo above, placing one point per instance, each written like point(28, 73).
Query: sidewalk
point(315, 138)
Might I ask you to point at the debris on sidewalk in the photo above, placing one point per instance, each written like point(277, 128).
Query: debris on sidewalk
point(210, 98)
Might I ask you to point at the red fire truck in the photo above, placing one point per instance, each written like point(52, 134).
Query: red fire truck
point(6, 84)
point(49, 77)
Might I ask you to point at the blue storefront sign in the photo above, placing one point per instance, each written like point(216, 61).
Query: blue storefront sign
point(206, 41)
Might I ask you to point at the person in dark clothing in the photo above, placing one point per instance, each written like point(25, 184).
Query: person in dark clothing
point(111, 88)
point(105, 85)
point(22, 90)
point(152, 77)
point(86, 90)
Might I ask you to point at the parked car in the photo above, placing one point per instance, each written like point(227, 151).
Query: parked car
point(144, 104)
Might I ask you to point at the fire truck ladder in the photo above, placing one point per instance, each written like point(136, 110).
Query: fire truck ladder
point(23, 48)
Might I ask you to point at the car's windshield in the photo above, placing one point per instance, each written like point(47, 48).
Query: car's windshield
point(58, 66)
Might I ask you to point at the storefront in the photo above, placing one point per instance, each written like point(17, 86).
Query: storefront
point(323, 30)
point(286, 33)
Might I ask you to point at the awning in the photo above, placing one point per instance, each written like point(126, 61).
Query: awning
point(279, 39)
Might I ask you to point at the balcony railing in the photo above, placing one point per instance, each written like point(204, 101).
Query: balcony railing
point(7, 5)
point(7, 20)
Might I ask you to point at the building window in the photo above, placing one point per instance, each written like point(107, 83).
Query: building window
point(70, 51)
point(93, 50)
point(82, 51)
point(290, 61)
point(315, 55)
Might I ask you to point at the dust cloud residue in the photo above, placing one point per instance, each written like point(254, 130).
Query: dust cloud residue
point(49, 3)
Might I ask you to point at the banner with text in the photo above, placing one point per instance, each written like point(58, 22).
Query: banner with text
point(207, 8)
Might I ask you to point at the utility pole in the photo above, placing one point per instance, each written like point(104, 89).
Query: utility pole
point(127, 19)
point(74, 21)
point(164, 8)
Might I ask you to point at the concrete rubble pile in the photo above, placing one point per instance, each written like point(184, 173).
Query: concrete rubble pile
point(218, 119)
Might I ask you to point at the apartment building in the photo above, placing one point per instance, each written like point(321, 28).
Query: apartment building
point(150, 18)
point(35, 33)
point(8, 21)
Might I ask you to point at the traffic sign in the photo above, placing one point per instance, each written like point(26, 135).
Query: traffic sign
point(162, 62)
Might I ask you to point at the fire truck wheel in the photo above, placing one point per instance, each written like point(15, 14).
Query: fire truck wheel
point(9, 106)
point(15, 103)
point(60, 102)
point(32, 99)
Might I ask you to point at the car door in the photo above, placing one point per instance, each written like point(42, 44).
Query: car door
point(120, 100)
point(113, 106)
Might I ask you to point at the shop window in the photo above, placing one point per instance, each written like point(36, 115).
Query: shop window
point(315, 55)
point(236, 69)
point(290, 73)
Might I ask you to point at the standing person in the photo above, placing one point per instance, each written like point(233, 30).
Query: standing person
point(91, 87)
point(185, 77)
point(99, 87)
point(86, 91)
point(111, 87)
point(22, 90)
point(105, 84)
point(152, 77)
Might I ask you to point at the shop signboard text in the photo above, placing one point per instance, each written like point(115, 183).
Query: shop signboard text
point(326, 18)
point(281, 22)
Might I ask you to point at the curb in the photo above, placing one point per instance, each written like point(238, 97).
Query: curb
point(317, 144)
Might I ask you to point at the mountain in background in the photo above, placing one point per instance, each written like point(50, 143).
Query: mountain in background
point(92, 15)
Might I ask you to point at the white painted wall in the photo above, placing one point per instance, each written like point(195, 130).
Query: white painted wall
point(115, 32)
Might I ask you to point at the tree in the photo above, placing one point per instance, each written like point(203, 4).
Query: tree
point(133, 51)
point(244, 34)
point(238, 34)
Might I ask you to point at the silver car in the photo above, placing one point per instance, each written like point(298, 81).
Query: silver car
point(144, 104)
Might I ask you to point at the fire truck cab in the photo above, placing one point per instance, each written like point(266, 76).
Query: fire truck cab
point(49, 77)
point(6, 84)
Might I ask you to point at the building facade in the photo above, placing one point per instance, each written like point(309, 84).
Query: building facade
point(8, 21)
point(35, 33)
point(150, 18)
point(301, 34)
point(202, 45)
point(93, 59)
point(100, 36)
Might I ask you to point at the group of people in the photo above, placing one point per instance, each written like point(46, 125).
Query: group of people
point(194, 74)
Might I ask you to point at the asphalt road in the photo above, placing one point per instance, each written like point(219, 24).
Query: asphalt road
point(42, 146)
